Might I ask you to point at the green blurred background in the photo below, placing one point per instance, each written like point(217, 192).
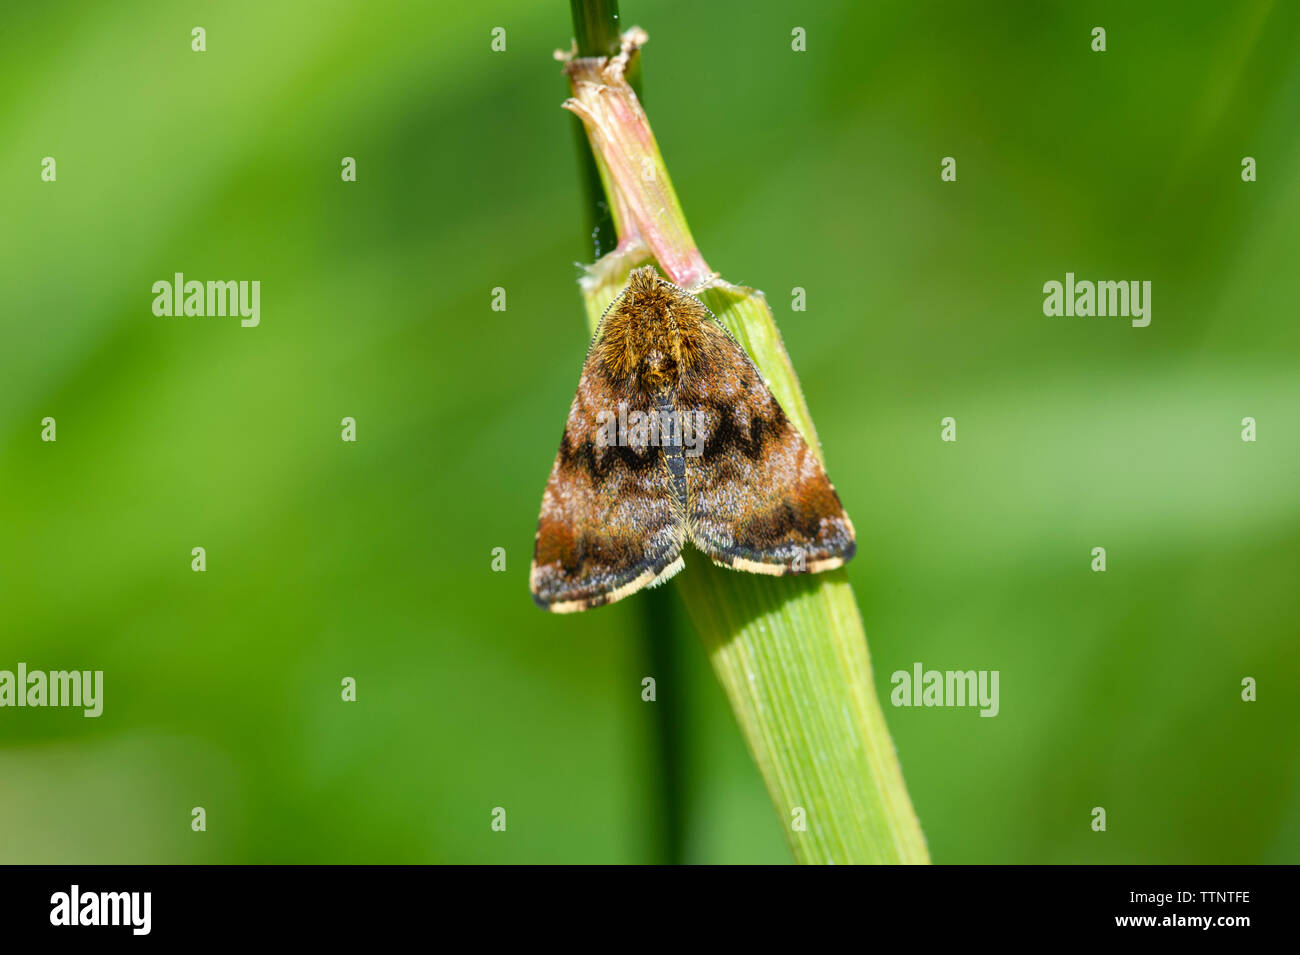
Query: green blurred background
point(373, 560)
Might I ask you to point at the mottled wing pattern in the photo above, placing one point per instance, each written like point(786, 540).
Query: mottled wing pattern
point(757, 497)
point(610, 523)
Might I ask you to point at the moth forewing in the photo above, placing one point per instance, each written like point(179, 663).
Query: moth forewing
point(758, 497)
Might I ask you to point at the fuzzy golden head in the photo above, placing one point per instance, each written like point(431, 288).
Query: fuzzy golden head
point(651, 333)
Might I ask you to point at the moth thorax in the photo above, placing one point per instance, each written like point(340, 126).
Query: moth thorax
point(659, 370)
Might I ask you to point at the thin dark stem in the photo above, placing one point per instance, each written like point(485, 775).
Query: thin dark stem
point(661, 647)
point(595, 26)
point(597, 33)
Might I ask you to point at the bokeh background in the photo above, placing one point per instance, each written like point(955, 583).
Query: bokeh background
point(373, 560)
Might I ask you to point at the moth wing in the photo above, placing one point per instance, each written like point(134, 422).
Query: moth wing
point(757, 497)
point(610, 522)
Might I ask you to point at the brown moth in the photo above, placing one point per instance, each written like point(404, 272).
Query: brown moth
point(674, 436)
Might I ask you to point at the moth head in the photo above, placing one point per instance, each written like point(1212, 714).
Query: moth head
point(642, 280)
point(651, 332)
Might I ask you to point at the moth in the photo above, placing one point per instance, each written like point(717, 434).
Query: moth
point(673, 436)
